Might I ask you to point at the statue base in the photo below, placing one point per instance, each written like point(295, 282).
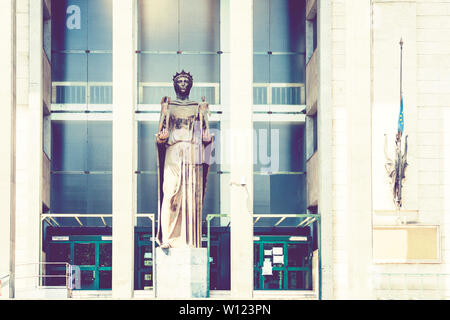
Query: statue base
point(181, 273)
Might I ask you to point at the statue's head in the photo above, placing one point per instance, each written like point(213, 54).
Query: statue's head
point(182, 83)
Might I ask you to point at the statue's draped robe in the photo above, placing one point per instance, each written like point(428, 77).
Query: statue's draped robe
point(183, 165)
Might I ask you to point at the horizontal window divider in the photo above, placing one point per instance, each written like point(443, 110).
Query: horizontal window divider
point(80, 172)
point(287, 215)
point(78, 215)
point(278, 84)
point(81, 111)
point(83, 51)
point(147, 111)
point(293, 118)
point(278, 112)
point(157, 107)
point(262, 173)
point(280, 108)
point(178, 52)
point(81, 116)
point(284, 53)
point(155, 172)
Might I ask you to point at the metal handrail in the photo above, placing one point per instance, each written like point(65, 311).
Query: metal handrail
point(68, 275)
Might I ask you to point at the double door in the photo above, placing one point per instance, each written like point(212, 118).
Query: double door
point(94, 260)
point(91, 261)
point(281, 264)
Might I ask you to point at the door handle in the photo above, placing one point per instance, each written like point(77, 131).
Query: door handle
point(93, 274)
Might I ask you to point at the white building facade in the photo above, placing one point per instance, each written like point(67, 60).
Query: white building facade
point(303, 94)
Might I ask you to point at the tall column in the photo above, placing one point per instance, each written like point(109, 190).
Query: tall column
point(359, 110)
point(324, 116)
point(238, 85)
point(7, 144)
point(124, 204)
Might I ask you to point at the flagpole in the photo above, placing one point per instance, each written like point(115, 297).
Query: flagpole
point(399, 133)
point(401, 66)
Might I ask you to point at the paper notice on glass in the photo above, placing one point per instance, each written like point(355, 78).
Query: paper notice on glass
point(267, 252)
point(278, 259)
point(267, 268)
point(147, 255)
point(277, 250)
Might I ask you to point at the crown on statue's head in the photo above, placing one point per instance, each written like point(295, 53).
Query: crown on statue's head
point(183, 74)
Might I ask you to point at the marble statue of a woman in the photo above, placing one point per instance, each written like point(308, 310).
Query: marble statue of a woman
point(183, 143)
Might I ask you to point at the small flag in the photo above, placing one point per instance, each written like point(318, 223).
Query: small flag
point(400, 118)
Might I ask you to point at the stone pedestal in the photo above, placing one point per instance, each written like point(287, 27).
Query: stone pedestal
point(182, 273)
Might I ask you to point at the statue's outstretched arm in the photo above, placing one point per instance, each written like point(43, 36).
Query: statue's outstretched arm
point(204, 118)
point(163, 126)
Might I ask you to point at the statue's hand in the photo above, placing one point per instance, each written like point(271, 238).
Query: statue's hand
point(163, 135)
point(206, 136)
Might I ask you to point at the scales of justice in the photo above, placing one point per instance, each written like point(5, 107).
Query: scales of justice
point(183, 144)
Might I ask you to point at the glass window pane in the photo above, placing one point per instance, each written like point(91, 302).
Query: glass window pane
point(99, 145)
point(105, 279)
point(99, 193)
point(59, 252)
point(69, 24)
point(87, 279)
point(105, 255)
point(211, 203)
point(261, 146)
point(100, 67)
point(158, 68)
point(261, 26)
point(71, 70)
point(199, 25)
point(287, 26)
point(69, 145)
point(146, 145)
point(158, 25)
point(147, 193)
point(70, 67)
point(287, 193)
point(298, 280)
point(68, 193)
point(99, 24)
point(84, 254)
point(261, 194)
point(260, 69)
point(287, 140)
point(297, 252)
point(274, 281)
point(287, 68)
point(203, 67)
point(283, 193)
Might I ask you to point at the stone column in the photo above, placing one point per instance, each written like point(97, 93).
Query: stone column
point(124, 204)
point(325, 166)
point(29, 144)
point(359, 147)
point(238, 55)
point(7, 145)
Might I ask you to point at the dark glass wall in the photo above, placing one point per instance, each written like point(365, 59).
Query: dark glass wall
point(82, 52)
point(176, 35)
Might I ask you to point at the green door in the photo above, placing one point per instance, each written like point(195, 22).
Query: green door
point(281, 264)
point(85, 259)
